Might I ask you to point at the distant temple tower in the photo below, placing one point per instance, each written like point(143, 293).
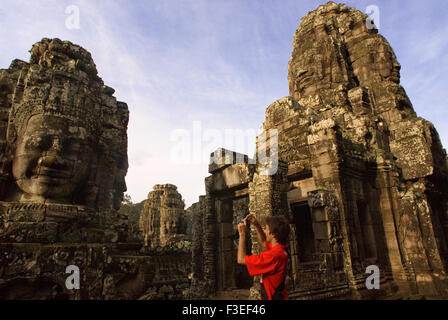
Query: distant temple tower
point(163, 219)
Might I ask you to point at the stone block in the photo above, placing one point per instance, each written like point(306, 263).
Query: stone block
point(319, 214)
point(321, 230)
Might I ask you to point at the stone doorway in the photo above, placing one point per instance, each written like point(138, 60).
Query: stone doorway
point(231, 275)
point(304, 236)
point(367, 230)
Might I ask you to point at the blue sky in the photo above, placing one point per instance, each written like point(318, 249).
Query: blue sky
point(214, 64)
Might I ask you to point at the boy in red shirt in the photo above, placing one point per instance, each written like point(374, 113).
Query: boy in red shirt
point(272, 264)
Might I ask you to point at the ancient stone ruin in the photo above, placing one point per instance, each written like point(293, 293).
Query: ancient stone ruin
point(362, 179)
point(63, 159)
point(163, 220)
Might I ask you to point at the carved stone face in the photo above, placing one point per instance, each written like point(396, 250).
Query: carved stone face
point(306, 74)
point(51, 159)
point(315, 68)
point(387, 64)
point(3, 97)
point(377, 64)
point(170, 226)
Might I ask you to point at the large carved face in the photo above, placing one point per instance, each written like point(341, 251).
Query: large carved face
point(387, 64)
point(169, 225)
point(378, 63)
point(315, 68)
point(51, 159)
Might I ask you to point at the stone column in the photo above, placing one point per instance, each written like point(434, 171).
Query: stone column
point(327, 228)
point(267, 197)
point(325, 149)
point(198, 233)
point(388, 208)
point(210, 232)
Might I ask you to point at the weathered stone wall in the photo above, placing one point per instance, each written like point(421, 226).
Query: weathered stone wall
point(267, 197)
point(215, 219)
point(347, 135)
point(378, 128)
point(63, 159)
point(197, 216)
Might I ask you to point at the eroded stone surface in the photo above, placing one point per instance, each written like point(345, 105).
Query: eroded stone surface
point(66, 136)
point(163, 220)
point(63, 159)
point(361, 178)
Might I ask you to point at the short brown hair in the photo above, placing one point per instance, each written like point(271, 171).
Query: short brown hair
point(279, 227)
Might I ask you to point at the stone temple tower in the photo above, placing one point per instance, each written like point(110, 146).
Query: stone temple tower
point(162, 219)
point(63, 161)
point(361, 178)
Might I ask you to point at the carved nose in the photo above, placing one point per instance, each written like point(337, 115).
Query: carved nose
point(53, 157)
point(53, 161)
point(57, 145)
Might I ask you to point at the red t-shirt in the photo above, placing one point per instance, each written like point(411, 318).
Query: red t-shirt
point(272, 265)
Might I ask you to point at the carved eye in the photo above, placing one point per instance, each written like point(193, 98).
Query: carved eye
point(39, 143)
point(45, 143)
point(71, 144)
